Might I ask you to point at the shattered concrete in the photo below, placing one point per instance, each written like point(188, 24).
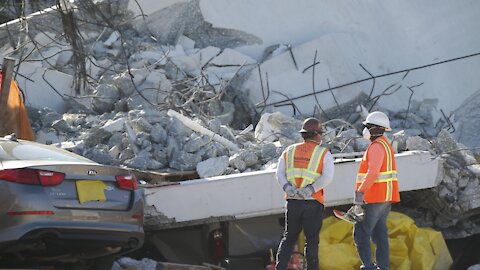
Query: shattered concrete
point(194, 69)
point(169, 24)
point(467, 124)
point(452, 206)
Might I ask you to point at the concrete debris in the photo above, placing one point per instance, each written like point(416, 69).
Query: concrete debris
point(453, 205)
point(164, 95)
point(199, 128)
point(126, 263)
point(212, 166)
point(466, 122)
point(273, 126)
point(129, 263)
point(169, 24)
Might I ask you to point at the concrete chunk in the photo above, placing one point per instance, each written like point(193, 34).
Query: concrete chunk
point(114, 125)
point(212, 167)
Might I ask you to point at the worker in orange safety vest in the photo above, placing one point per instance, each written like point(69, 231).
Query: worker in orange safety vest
point(376, 189)
point(303, 170)
point(15, 117)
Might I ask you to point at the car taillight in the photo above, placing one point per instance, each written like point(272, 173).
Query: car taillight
point(32, 177)
point(48, 178)
point(137, 216)
point(128, 182)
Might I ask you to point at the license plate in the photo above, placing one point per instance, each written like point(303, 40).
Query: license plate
point(90, 190)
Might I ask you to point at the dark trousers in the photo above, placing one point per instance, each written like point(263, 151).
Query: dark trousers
point(306, 215)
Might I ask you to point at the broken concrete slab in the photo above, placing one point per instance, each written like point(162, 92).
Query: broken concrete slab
point(212, 167)
point(105, 96)
point(157, 141)
point(114, 125)
point(293, 69)
point(169, 23)
point(467, 122)
point(44, 87)
point(273, 126)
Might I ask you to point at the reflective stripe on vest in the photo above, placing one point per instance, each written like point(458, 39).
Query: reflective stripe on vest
point(388, 176)
point(309, 174)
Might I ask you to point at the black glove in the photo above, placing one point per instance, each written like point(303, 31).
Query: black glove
point(358, 199)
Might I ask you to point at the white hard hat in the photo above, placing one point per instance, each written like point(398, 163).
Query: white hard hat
point(379, 119)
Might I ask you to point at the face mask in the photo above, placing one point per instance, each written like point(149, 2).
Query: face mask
point(366, 133)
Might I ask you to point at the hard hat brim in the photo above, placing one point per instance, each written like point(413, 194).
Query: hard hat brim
point(386, 128)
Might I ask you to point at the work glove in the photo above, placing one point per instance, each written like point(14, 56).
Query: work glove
point(356, 213)
point(306, 191)
point(358, 198)
point(290, 190)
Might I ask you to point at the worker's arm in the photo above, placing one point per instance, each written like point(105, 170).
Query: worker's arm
point(281, 174)
point(327, 173)
point(376, 153)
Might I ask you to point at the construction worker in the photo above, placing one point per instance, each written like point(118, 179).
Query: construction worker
point(376, 190)
point(304, 169)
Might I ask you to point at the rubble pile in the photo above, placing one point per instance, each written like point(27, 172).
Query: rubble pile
point(452, 206)
point(127, 116)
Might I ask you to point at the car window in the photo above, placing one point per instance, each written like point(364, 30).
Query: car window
point(18, 151)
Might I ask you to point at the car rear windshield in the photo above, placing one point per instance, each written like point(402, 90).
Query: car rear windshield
point(10, 150)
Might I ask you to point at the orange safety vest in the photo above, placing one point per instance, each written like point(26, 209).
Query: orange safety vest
point(15, 119)
point(304, 164)
point(385, 188)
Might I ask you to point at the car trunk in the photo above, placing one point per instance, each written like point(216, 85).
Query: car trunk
point(89, 187)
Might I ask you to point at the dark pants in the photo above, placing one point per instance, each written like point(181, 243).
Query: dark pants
point(373, 227)
point(306, 215)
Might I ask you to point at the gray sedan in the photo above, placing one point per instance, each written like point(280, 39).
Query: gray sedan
point(59, 207)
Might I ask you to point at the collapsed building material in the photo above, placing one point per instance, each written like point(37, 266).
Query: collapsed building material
point(196, 127)
point(133, 80)
point(126, 263)
point(453, 206)
point(259, 195)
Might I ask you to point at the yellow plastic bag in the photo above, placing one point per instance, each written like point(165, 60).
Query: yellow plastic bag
point(410, 247)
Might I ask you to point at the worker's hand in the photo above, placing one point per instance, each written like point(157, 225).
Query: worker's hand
point(356, 213)
point(358, 199)
point(290, 190)
point(306, 191)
